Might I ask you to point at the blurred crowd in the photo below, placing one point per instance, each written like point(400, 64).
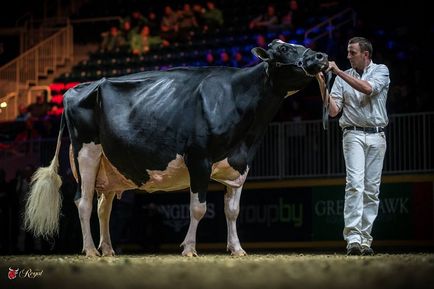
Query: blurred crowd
point(140, 33)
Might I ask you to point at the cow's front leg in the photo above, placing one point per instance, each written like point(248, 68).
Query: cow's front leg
point(88, 162)
point(199, 171)
point(105, 202)
point(232, 209)
point(197, 211)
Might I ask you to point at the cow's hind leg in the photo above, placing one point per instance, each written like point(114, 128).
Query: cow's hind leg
point(105, 202)
point(232, 209)
point(199, 170)
point(88, 158)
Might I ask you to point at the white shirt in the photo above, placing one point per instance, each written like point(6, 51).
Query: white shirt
point(361, 109)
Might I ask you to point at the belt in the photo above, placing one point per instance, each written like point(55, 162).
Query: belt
point(365, 129)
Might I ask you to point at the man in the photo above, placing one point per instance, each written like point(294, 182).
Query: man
point(360, 93)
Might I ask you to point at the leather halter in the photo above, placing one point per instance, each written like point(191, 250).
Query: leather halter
point(298, 62)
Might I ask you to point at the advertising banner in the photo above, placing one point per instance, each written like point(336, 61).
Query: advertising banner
point(288, 214)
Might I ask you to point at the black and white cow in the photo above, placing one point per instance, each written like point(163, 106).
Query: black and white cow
point(166, 131)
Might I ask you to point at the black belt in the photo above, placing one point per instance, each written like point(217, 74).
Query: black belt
point(365, 129)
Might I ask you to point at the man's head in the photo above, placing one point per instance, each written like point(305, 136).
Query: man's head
point(359, 52)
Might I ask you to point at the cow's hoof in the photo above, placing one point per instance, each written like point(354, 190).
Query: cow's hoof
point(92, 252)
point(189, 249)
point(189, 254)
point(107, 250)
point(108, 253)
point(239, 253)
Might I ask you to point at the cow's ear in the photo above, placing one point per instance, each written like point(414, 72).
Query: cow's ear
point(261, 53)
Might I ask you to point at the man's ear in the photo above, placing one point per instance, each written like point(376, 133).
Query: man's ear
point(261, 53)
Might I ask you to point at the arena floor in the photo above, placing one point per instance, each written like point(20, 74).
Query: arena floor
point(211, 271)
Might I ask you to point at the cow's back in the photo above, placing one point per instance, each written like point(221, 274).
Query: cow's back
point(143, 121)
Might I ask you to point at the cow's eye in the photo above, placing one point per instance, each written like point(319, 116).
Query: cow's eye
point(283, 49)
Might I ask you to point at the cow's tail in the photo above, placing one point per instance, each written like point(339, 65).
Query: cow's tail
point(42, 211)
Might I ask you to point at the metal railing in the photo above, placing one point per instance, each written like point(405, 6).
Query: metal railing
point(18, 75)
point(327, 26)
point(304, 149)
point(293, 149)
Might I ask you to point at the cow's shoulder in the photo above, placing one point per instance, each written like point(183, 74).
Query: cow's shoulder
point(217, 101)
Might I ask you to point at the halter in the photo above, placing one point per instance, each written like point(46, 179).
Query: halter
point(298, 62)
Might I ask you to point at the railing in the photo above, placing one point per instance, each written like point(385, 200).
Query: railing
point(327, 26)
point(17, 75)
point(304, 149)
point(292, 150)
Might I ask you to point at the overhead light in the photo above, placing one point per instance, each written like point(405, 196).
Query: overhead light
point(3, 104)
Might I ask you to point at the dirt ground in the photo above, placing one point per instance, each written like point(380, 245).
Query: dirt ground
point(210, 271)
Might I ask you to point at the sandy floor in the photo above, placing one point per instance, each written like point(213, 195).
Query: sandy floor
point(211, 271)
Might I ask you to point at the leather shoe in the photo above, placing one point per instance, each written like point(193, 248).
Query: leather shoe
point(367, 251)
point(354, 249)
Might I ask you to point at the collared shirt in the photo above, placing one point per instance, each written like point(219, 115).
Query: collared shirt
point(360, 109)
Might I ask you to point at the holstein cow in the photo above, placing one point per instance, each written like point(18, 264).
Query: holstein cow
point(166, 131)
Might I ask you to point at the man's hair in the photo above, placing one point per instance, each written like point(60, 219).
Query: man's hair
point(365, 44)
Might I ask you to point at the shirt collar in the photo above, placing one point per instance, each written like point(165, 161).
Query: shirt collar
point(365, 70)
point(368, 67)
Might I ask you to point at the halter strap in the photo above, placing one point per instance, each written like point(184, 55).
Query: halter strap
point(298, 62)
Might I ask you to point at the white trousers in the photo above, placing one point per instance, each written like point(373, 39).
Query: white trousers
point(364, 155)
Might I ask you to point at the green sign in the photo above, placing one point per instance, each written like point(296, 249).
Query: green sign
point(394, 220)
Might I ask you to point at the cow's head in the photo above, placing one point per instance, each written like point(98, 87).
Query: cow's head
point(291, 66)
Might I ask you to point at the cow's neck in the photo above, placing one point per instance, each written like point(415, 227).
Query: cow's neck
point(256, 99)
point(254, 92)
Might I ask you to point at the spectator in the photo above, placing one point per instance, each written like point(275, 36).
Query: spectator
point(137, 19)
point(266, 21)
point(292, 18)
point(198, 11)
point(213, 18)
point(143, 42)
point(153, 22)
point(112, 39)
point(40, 108)
point(169, 24)
point(127, 30)
point(187, 23)
point(23, 113)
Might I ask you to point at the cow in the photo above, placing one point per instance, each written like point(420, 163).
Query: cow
point(167, 131)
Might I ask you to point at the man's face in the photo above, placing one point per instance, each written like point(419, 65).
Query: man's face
point(356, 57)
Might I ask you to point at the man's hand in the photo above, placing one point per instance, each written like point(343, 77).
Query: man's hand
point(333, 68)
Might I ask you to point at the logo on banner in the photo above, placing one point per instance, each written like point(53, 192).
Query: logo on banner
point(177, 216)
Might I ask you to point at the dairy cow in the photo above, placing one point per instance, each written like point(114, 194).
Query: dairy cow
point(166, 131)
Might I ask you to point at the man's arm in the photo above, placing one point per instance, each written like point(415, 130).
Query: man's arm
point(333, 108)
point(360, 85)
